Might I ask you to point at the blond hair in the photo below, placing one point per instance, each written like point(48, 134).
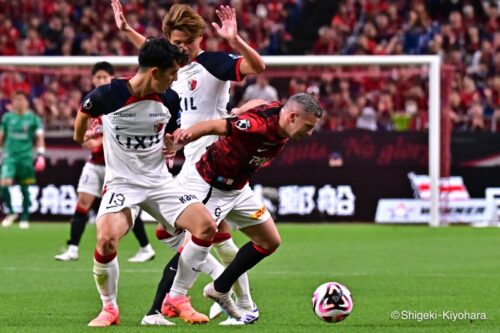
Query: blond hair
point(183, 18)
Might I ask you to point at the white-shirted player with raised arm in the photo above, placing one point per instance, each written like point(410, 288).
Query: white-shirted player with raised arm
point(203, 86)
point(135, 115)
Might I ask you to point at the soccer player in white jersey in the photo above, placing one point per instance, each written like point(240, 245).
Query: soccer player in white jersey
point(203, 86)
point(91, 182)
point(136, 114)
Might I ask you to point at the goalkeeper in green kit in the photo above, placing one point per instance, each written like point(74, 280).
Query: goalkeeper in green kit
point(18, 129)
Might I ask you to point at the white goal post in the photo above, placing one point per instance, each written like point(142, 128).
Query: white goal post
point(433, 61)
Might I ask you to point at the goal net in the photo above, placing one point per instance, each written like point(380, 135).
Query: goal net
point(69, 76)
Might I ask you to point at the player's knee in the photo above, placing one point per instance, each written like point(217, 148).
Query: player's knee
point(206, 228)
point(272, 243)
point(275, 243)
point(107, 244)
point(84, 203)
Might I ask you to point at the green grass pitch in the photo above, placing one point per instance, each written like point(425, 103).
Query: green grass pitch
point(387, 268)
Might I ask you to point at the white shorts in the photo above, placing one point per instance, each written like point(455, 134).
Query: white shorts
point(91, 179)
point(239, 208)
point(164, 203)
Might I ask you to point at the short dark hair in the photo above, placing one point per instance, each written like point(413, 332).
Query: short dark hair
point(103, 66)
point(159, 52)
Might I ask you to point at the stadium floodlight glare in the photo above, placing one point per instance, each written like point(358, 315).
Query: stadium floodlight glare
point(433, 61)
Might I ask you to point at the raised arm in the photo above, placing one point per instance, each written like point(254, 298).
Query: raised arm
point(136, 38)
point(252, 62)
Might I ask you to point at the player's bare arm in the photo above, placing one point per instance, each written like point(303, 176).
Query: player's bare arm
point(252, 62)
point(81, 125)
point(247, 106)
point(193, 133)
point(92, 143)
point(121, 22)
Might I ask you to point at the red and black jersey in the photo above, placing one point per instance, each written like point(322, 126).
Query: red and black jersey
point(252, 141)
point(97, 155)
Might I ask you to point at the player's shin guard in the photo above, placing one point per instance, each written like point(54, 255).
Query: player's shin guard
point(226, 250)
point(78, 223)
point(247, 257)
point(106, 273)
point(165, 284)
point(7, 202)
point(25, 214)
point(192, 257)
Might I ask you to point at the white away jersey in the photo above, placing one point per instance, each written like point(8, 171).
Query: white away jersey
point(133, 129)
point(203, 88)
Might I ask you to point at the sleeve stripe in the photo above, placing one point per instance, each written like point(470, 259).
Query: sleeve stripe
point(237, 68)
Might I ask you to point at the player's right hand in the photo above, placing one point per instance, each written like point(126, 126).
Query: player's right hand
point(182, 137)
point(120, 20)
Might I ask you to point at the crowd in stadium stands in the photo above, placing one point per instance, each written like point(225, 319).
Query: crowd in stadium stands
point(465, 33)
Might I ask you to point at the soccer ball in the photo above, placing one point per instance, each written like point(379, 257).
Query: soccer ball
point(332, 302)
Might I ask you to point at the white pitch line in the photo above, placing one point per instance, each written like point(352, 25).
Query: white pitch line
point(260, 272)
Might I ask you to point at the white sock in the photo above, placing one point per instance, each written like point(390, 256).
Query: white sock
point(147, 248)
point(192, 258)
point(73, 248)
point(106, 279)
point(212, 267)
point(226, 250)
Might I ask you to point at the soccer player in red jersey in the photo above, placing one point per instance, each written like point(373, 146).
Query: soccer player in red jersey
point(203, 86)
point(221, 177)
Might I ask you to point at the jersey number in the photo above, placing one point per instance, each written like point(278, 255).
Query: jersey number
point(116, 200)
point(187, 104)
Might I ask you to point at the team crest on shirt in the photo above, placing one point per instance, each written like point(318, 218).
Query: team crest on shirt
point(192, 84)
point(243, 124)
point(158, 126)
point(87, 104)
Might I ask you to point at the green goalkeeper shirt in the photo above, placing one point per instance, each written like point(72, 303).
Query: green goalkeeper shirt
point(19, 132)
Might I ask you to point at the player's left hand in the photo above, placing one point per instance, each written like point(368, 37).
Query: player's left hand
point(40, 163)
point(120, 20)
point(228, 28)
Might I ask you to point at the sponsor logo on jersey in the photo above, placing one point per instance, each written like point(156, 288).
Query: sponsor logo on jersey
point(192, 84)
point(258, 161)
point(123, 115)
point(87, 105)
point(158, 114)
point(138, 142)
point(243, 124)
